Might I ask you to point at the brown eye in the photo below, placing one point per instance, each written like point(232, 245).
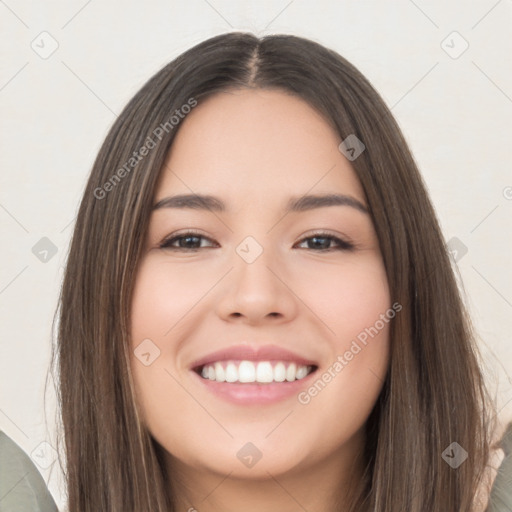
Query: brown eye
point(321, 242)
point(189, 241)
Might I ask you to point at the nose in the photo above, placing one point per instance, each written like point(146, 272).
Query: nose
point(257, 292)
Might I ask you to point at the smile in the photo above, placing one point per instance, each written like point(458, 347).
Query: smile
point(262, 372)
point(253, 374)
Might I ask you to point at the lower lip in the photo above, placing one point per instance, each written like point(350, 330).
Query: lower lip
point(255, 393)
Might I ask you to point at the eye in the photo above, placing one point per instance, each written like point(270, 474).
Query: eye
point(321, 242)
point(192, 241)
point(187, 241)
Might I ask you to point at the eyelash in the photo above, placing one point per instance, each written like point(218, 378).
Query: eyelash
point(343, 245)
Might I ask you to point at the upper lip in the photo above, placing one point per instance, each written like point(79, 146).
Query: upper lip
point(252, 353)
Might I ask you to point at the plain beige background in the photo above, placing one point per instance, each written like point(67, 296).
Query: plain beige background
point(68, 68)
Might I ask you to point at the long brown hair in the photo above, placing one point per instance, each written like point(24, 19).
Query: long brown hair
point(433, 394)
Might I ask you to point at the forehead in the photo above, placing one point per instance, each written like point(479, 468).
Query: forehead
point(259, 144)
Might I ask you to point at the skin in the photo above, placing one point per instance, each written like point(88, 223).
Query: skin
point(255, 149)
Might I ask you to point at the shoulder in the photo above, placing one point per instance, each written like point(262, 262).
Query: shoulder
point(499, 483)
point(22, 487)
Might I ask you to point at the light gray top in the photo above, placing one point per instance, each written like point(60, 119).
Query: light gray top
point(501, 494)
point(22, 488)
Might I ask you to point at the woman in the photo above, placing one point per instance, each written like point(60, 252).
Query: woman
point(259, 309)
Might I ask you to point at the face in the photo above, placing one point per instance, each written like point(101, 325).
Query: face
point(260, 318)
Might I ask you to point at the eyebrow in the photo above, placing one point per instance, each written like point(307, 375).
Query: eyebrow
point(295, 204)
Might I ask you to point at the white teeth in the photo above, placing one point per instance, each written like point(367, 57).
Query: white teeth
point(264, 372)
point(220, 374)
point(279, 372)
point(302, 371)
point(231, 373)
point(249, 371)
point(246, 372)
point(291, 372)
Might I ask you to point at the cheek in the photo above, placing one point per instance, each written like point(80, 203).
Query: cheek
point(154, 311)
point(165, 300)
point(337, 404)
point(162, 298)
point(353, 303)
point(348, 298)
